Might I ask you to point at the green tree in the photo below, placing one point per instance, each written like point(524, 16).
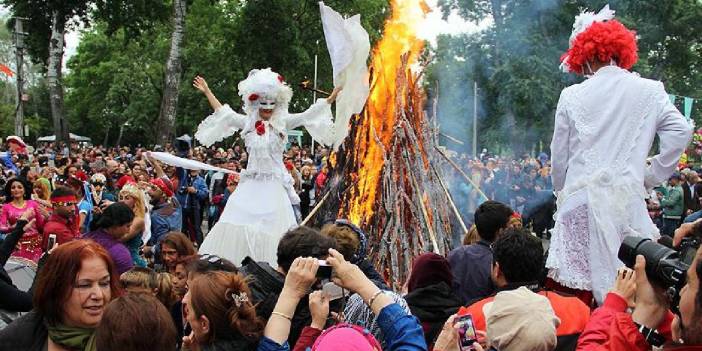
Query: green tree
point(48, 21)
point(107, 86)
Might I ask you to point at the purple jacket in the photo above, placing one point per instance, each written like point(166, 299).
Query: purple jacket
point(119, 253)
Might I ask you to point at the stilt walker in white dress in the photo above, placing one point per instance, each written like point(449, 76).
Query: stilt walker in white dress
point(604, 130)
point(260, 210)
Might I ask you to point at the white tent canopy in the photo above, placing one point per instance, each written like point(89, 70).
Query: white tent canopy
point(73, 137)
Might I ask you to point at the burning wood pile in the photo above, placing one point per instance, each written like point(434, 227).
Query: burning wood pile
point(384, 177)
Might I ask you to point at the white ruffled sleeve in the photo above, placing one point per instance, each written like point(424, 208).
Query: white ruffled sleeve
point(674, 134)
point(317, 120)
point(560, 148)
point(221, 124)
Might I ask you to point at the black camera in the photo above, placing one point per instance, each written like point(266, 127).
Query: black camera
point(665, 267)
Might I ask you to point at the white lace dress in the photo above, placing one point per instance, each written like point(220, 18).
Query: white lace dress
point(603, 133)
point(259, 211)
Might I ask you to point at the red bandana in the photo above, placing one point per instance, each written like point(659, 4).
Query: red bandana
point(166, 187)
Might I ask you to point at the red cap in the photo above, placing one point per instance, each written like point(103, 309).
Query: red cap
point(163, 184)
point(82, 176)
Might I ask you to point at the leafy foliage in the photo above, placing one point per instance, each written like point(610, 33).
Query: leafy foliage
point(118, 78)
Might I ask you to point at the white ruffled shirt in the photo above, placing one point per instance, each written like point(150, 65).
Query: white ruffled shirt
point(603, 132)
point(265, 152)
point(610, 121)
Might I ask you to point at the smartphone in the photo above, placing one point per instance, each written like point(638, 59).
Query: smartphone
point(325, 270)
point(466, 332)
point(51, 242)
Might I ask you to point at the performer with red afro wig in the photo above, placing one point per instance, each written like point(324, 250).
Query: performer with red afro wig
point(603, 133)
point(604, 42)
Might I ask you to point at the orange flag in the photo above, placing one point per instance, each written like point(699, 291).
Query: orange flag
point(6, 70)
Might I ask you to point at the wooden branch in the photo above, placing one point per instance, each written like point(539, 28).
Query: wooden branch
point(316, 208)
point(465, 176)
point(453, 204)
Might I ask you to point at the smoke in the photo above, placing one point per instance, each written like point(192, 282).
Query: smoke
point(514, 62)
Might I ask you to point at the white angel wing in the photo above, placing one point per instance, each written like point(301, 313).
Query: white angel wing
point(349, 48)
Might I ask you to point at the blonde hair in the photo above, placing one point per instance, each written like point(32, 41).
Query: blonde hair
point(139, 277)
point(166, 292)
point(134, 192)
point(44, 186)
point(471, 236)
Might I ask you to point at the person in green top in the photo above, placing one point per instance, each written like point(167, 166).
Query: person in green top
point(673, 205)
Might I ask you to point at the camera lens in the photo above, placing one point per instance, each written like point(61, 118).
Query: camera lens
point(663, 265)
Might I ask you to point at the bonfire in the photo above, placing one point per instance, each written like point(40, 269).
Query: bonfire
point(385, 177)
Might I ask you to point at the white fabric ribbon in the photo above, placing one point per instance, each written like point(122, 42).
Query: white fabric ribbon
point(176, 161)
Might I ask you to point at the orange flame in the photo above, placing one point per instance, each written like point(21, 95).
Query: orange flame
point(377, 123)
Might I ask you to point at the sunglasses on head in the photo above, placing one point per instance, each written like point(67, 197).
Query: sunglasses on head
point(68, 203)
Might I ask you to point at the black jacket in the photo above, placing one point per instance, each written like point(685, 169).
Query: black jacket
point(433, 305)
point(27, 333)
point(266, 284)
point(231, 345)
point(11, 298)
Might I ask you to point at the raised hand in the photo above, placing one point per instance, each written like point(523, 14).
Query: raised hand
point(200, 84)
point(333, 95)
point(319, 309)
point(651, 302)
point(625, 285)
point(301, 276)
point(345, 274)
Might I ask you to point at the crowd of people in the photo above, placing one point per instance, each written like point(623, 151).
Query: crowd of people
point(88, 295)
point(524, 183)
point(124, 229)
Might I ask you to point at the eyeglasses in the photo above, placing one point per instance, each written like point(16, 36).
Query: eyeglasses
point(98, 184)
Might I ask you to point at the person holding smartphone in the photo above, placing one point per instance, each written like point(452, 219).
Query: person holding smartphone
point(401, 330)
point(11, 298)
point(517, 320)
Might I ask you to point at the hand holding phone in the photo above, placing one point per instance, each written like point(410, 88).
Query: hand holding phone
point(324, 272)
point(466, 332)
point(51, 242)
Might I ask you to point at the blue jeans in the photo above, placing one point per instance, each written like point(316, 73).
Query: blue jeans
point(669, 226)
point(693, 217)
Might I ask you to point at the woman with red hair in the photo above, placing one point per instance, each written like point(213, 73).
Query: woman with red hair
point(603, 131)
point(78, 280)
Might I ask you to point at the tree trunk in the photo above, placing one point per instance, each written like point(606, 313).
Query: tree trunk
point(54, 77)
point(169, 101)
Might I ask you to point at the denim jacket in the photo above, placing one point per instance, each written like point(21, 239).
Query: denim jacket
point(165, 218)
point(402, 332)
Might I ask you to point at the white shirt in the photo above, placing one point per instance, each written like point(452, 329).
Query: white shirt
point(609, 122)
point(603, 133)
